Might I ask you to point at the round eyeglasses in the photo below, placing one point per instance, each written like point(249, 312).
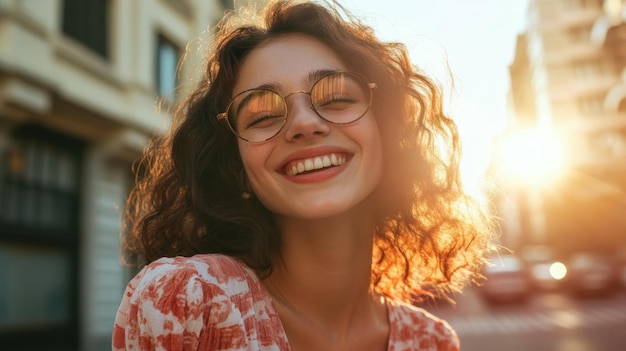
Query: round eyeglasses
point(258, 115)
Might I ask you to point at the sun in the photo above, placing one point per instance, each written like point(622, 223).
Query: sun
point(530, 157)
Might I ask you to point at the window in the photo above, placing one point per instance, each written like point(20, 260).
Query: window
point(580, 4)
point(609, 144)
point(594, 4)
point(621, 108)
point(228, 4)
point(579, 35)
point(39, 185)
point(592, 105)
point(86, 21)
point(589, 70)
point(167, 63)
point(48, 295)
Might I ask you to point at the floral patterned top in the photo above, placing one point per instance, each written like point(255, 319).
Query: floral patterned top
point(215, 302)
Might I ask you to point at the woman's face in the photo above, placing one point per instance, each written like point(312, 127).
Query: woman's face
point(288, 64)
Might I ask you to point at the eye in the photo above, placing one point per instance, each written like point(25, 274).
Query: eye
point(263, 120)
point(336, 101)
point(259, 109)
point(337, 91)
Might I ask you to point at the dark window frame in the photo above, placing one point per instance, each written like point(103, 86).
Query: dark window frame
point(88, 22)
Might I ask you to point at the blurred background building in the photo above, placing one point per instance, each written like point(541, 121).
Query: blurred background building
point(83, 85)
point(562, 162)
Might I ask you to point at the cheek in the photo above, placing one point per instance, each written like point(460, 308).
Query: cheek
point(375, 138)
point(379, 158)
point(253, 158)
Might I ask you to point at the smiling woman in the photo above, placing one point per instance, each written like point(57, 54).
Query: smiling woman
point(307, 191)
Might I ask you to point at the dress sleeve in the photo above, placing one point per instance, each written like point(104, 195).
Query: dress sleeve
point(447, 340)
point(414, 328)
point(163, 308)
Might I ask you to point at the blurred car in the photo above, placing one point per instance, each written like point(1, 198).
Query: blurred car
point(506, 280)
point(545, 270)
point(591, 273)
point(620, 260)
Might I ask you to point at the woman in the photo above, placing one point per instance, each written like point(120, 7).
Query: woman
point(306, 194)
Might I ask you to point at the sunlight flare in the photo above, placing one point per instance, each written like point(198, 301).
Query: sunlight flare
point(532, 157)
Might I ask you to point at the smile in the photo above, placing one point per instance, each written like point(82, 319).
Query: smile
point(315, 163)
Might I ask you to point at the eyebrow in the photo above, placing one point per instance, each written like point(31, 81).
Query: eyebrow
point(317, 74)
point(312, 77)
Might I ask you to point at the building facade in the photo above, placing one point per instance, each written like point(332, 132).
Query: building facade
point(569, 77)
point(83, 85)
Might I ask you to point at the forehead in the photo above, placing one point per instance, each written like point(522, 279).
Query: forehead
point(286, 62)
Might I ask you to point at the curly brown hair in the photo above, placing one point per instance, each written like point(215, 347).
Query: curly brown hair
point(431, 236)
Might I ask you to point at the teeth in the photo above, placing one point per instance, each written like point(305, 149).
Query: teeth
point(326, 162)
point(314, 163)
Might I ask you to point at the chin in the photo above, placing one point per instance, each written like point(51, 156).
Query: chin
point(311, 210)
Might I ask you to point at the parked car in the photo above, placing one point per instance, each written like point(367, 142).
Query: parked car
point(546, 271)
point(506, 280)
point(620, 264)
point(591, 273)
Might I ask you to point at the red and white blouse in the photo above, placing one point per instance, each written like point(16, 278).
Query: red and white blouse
point(215, 302)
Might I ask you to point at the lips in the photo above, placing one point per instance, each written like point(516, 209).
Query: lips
point(316, 163)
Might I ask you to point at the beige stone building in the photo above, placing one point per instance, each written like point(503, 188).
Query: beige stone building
point(80, 83)
point(569, 78)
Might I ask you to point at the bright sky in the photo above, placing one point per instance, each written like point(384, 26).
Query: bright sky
point(476, 39)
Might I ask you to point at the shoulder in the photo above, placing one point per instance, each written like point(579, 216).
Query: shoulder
point(415, 328)
point(208, 265)
point(190, 299)
point(184, 275)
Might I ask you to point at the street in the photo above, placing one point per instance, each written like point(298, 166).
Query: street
point(546, 322)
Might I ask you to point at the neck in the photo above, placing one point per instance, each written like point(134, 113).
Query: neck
point(324, 270)
point(321, 284)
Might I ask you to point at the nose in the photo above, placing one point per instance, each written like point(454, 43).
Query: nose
point(302, 121)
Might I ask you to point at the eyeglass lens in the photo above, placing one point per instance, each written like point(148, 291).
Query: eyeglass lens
point(259, 114)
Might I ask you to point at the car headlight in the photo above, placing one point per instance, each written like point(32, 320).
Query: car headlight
point(558, 270)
